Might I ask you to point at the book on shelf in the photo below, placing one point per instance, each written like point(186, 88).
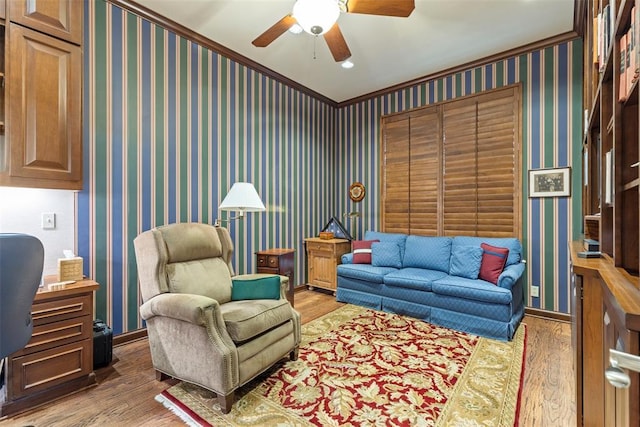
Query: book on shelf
point(608, 177)
point(591, 245)
point(603, 26)
point(622, 79)
point(635, 16)
point(631, 57)
point(596, 39)
point(589, 254)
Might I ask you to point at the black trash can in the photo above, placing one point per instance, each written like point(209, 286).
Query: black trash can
point(102, 344)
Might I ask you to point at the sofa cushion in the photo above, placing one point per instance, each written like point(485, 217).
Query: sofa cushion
point(249, 318)
point(432, 253)
point(362, 251)
point(386, 254)
point(511, 243)
point(366, 272)
point(255, 288)
point(387, 237)
point(465, 261)
point(493, 261)
point(413, 278)
point(478, 290)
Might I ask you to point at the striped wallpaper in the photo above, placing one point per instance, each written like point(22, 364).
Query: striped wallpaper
point(169, 126)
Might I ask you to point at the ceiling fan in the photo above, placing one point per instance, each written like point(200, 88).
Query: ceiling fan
point(319, 17)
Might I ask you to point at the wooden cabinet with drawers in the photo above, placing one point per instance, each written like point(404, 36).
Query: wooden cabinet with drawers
point(59, 357)
point(278, 261)
point(323, 256)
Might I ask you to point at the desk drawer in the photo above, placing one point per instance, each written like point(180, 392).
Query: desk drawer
point(58, 333)
point(56, 310)
point(39, 371)
point(271, 261)
point(322, 247)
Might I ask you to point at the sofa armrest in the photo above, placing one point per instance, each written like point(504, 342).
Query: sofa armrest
point(347, 258)
point(186, 307)
point(511, 275)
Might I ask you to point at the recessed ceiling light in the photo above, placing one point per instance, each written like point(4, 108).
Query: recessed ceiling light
point(347, 64)
point(296, 29)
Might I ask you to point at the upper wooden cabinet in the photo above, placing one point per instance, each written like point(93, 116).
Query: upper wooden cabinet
point(44, 109)
point(58, 18)
point(41, 131)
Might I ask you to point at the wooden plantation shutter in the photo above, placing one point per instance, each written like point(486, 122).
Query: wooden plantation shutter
point(424, 172)
point(462, 171)
point(459, 171)
point(499, 165)
point(395, 175)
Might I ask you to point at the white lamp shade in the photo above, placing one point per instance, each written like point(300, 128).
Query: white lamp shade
point(242, 197)
point(316, 16)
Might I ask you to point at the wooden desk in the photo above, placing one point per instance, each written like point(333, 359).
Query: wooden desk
point(278, 261)
point(58, 359)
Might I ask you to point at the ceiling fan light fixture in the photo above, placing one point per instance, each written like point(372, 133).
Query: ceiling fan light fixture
point(316, 16)
point(347, 64)
point(295, 29)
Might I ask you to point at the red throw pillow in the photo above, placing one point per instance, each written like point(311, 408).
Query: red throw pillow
point(362, 251)
point(493, 261)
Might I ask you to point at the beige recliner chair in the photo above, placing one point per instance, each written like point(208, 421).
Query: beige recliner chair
point(196, 332)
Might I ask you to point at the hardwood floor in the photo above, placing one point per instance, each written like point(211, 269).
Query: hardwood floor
point(126, 389)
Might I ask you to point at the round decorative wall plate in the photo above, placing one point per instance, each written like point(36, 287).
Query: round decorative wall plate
point(356, 191)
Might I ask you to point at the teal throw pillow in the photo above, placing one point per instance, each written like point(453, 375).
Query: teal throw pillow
point(466, 261)
point(386, 254)
point(260, 288)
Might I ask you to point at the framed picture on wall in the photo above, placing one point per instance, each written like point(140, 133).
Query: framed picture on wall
point(554, 182)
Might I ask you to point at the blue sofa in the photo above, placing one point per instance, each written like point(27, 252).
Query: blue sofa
point(412, 275)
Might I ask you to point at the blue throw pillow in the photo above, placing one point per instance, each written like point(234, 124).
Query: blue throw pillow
point(260, 288)
point(466, 261)
point(386, 254)
point(430, 252)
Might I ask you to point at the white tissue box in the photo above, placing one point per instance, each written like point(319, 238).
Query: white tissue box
point(70, 269)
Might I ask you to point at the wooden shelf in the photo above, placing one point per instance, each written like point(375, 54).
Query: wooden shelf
point(631, 185)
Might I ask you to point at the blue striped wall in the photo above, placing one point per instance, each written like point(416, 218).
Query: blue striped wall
point(169, 126)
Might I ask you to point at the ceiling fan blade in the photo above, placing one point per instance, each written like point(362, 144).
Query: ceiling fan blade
point(401, 8)
point(276, 30)
point(337, 44)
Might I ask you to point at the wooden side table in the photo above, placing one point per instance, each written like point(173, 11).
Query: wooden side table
point(323, 256)
point(58, 359)
point(278, 261)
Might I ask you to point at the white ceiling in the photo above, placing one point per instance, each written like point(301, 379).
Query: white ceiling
point(387, 51)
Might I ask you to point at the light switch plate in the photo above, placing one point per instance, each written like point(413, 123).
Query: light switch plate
point(535, 291)
point(48, 221)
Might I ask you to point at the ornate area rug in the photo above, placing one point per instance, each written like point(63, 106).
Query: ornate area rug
point(360, 367)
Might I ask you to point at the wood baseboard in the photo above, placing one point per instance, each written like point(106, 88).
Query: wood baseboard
point(129, 336)
point(546, 314)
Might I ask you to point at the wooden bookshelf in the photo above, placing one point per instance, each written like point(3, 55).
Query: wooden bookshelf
point(611, 140)
point(606, 294)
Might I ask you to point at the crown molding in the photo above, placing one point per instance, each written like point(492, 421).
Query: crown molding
point(181, 30)
point(541, 44)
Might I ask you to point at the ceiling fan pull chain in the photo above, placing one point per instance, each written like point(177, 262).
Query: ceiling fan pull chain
point(314, 46)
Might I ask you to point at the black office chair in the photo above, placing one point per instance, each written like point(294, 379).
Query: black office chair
point(21, 261)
